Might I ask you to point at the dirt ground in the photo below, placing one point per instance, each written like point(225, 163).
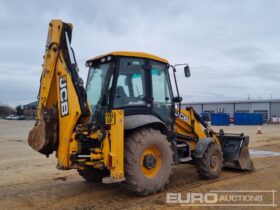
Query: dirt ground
point(29, 180)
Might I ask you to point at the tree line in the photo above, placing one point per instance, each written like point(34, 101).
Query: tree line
point(6, 110)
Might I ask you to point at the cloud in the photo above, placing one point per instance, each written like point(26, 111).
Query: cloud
point(232, 47)
point(268, 71)
point(246, 54)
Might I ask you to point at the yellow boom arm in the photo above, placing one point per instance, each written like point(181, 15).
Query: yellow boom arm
point(62, 123)
point(62, 99)
point(188, 124)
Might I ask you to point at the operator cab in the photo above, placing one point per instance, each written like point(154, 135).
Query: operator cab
point(138, 83)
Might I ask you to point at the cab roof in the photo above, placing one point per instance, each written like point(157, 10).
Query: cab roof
point(131, 54)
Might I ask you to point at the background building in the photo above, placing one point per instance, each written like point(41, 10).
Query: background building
point(269, 108)
point(30, 109)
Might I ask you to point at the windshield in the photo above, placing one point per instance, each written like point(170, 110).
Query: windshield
point(99, 83)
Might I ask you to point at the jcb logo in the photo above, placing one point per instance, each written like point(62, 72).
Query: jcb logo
point(64, 108)
point(181, 116)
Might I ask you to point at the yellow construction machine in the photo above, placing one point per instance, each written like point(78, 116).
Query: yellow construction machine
point(126, 125)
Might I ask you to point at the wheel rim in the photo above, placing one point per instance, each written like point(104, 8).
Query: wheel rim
point(214, 162)
point(151, 161)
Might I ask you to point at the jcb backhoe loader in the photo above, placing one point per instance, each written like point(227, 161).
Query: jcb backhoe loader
point(126, 125)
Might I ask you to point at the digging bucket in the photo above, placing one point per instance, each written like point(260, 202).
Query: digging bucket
point(43, 137)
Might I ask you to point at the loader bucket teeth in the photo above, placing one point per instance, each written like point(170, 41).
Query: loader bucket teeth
point(235, 152)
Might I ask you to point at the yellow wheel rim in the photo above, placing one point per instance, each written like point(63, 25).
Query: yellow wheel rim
point(151, 161)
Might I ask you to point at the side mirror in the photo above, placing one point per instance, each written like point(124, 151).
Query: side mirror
point(177, 99)
point(187, 71)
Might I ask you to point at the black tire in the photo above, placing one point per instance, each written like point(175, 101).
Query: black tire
point(135, 144)
point(211, 163)
point(93, 175)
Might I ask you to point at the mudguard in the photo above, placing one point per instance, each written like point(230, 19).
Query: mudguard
point(135, 121)
point(201, 147)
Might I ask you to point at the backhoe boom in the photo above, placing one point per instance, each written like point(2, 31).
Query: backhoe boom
point(62, 98)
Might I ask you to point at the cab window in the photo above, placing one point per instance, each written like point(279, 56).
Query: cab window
point(161, 92)
point(130, 89)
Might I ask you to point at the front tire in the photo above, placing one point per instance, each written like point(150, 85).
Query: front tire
point(211, 163)
point(148, 159)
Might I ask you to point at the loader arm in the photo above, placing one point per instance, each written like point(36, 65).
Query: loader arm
point(190, 128)
point(62, 101)
point(188, 124)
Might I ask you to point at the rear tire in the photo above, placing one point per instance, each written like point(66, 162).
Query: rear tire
point(148, 159)
point(93, 175)
point(211, 163)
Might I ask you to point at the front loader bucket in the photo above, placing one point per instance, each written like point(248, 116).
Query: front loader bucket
point(235, 151)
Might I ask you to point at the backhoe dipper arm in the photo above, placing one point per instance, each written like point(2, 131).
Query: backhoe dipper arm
point(62, 101)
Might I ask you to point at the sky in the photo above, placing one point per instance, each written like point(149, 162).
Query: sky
point(232, 47)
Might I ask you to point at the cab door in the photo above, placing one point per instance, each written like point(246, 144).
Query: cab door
point(161, 91)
